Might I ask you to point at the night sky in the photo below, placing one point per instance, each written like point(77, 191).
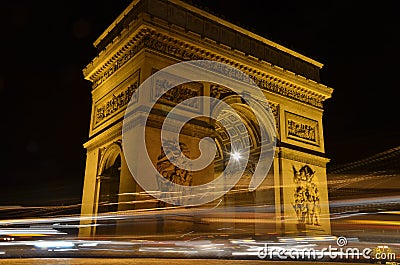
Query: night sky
point(46, 102)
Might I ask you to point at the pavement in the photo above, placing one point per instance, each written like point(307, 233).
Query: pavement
point(152, 261)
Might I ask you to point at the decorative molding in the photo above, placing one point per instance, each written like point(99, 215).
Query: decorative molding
point(115, 148)
point(275, 111)
point(183, 51)
point(220, 92)
point(288, 91)
point(112, 104)
point(119, 59)
point(178, 93)
point(269, 85)
point(179, 15)
point(112, 134)
point(302, 129)
point(302, 157)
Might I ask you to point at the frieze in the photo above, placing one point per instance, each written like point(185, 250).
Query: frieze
point(227, 71)
point(221, 92)
point(301, 128)
point(116, 102)
point(185, 52)
point(287, 91)
point(178, 93)
point(120, 62)
point(179, 52)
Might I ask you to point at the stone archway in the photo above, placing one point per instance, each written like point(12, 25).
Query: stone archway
point(108, 184)
point(241, 204)
point(247, 125)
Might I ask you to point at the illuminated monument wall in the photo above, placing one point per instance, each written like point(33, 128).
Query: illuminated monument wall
point(152, 34)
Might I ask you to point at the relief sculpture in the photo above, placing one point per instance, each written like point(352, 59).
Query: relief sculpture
point(178, 93)
point(306, 196)
point(171, 172)
point(303, 131)
point(117, 101)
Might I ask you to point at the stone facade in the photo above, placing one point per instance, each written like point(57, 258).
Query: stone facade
point(152, 34)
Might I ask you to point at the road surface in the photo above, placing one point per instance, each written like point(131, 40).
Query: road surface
point(151, 261)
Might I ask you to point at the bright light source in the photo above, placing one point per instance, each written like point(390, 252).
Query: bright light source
point(236, 156)
point(53, 244)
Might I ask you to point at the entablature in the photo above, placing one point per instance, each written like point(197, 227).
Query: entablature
point(180, 15)
point(174, 44)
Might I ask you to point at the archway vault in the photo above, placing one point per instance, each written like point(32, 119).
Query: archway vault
point(108, 185)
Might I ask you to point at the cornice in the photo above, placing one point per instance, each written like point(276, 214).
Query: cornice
point(104, 137)
point(153, 38)
point(102, 61)
point(246, 32)
point(116, 21)
point(248, 64)
point(216, 20)
point(302, 157)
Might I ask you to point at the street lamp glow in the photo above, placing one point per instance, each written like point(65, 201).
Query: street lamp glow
point(236, 156)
